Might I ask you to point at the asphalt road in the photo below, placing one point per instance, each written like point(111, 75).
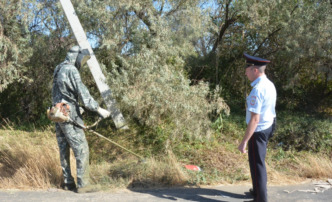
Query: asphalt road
point(231, 193)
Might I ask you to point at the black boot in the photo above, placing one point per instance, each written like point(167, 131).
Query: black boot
point(69, 186)
point(252, 192)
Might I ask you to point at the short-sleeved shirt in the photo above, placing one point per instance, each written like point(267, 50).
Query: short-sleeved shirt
point(262, 101)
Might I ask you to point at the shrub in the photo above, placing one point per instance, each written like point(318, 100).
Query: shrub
point(303, 132)
point(154, 91)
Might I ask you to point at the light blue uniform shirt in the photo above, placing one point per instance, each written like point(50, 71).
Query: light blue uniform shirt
point(262, 101)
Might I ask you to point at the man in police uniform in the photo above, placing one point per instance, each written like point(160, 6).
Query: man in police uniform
point(68, 88)
point(260, 118)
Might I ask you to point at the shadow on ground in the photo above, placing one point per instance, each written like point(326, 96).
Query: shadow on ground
point(195, 194)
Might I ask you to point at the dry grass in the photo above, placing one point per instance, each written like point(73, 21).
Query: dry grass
point(292, 168)
point(276, 177)
point(28, 160)
point(314, 166)
point(231, 164)
point(297, 167)
point(165, 171)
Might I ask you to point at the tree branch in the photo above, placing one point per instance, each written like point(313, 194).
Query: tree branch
point(275, 31)
point(270, 35)
point(176, 9)
point(145, 18)
point(161, 8)
point(224, 27)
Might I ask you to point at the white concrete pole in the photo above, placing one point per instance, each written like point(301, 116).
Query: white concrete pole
point(93, 64)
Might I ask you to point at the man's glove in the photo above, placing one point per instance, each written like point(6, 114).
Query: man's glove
point(103, 113)
point(81, 110)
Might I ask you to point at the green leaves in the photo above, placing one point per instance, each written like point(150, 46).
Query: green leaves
point(303, 132)
point(164, 58)
point(14, 50)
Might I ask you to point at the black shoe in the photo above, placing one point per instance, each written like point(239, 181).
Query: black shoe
point(69, 187)
point(252, 192)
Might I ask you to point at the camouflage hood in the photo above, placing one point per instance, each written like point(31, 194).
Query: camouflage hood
point(72, 54)
point(77, 56)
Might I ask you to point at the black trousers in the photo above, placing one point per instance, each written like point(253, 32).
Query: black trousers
point(257, 152)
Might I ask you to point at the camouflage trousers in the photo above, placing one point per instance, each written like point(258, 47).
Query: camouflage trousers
point(70, 136)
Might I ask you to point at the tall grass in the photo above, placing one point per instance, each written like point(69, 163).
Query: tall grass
point(291, 166)
point(153, 172)
point(316, 167)
point(29, 160)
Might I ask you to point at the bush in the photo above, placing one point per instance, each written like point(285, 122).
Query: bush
point(303, 132)
point(154, 91)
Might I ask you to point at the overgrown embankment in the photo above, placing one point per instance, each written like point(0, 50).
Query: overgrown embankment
point(30, 158)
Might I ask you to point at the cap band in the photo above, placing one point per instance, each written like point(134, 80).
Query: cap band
point(255, 61)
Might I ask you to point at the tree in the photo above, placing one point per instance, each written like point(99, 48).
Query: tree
point(150, 49)
point(143, 47)
point(14, 38)
point(295, 35)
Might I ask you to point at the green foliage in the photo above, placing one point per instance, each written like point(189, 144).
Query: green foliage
point(154, 92)
point(147, 74)
point(14, 38)
point(295, 131)
point(169, 63)
point(233, 127)
point(172, 67)
point(303, 132)
point(39, 49)
point(281, 154)
point(294, 35)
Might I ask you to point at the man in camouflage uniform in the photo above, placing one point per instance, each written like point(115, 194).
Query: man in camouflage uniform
point(68, 88)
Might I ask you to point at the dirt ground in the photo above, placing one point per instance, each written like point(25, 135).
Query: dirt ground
point(306, 192)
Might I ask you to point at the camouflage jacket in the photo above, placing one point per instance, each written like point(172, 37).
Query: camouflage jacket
point(68, 87)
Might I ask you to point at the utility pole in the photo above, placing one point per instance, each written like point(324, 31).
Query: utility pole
point(93, 64)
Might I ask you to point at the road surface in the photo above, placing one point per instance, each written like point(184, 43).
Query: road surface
point(231, 193)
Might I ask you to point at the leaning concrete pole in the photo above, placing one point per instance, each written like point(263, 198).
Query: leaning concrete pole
point(93, 64)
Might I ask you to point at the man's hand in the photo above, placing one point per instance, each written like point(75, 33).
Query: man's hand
point(252, 125)
point(103, 113)
point(242, 147)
